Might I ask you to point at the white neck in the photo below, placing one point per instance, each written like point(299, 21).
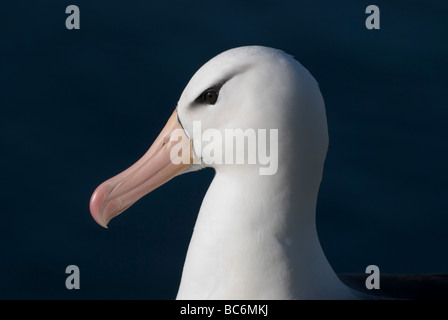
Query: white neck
point(256, 238)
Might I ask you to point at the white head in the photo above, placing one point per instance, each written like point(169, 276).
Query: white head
point(243, 88)
point(256, 88)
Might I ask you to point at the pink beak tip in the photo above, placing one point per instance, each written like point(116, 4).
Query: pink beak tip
point(96, 202)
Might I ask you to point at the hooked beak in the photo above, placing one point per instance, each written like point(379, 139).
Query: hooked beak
point(157, 166)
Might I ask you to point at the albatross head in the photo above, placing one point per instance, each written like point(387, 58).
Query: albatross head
point(247, 88)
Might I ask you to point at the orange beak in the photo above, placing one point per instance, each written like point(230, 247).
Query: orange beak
point(155, 168)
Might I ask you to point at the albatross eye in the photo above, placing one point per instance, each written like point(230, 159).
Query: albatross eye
point(209, 96)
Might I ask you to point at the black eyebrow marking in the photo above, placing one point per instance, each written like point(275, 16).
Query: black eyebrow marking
point(220, 83)
point(217, 87)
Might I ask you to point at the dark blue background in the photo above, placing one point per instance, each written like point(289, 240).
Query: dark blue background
point(79, 106)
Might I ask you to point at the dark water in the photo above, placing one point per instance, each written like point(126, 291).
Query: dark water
point(78, 106)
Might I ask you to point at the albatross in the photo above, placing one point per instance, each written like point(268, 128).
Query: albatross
point(255, 236)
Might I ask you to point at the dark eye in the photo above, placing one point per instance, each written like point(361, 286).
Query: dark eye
point(209, 96)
